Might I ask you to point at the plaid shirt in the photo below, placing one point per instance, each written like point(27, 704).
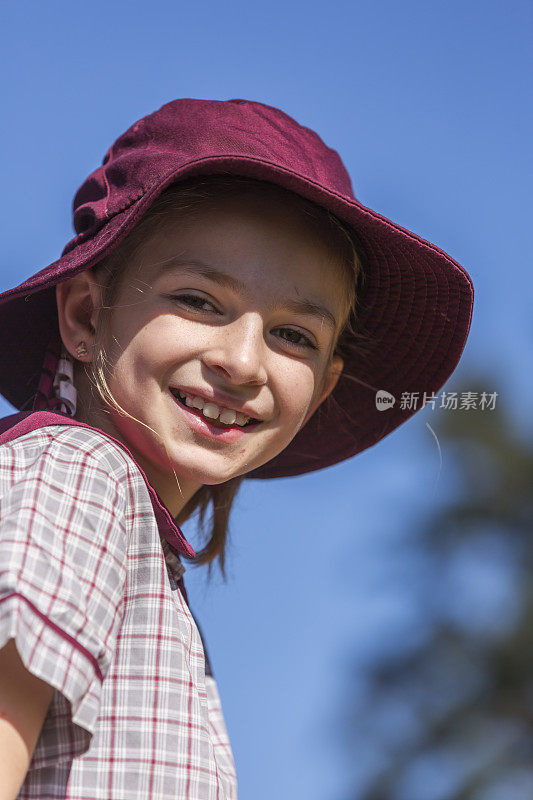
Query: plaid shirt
point(90, 590)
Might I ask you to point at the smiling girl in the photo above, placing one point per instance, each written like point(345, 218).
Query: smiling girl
point(226, 310)
point(202, 315)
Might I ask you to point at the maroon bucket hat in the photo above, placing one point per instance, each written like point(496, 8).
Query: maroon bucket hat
point(417, 307)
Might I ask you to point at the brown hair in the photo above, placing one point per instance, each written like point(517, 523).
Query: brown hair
point(186, 197)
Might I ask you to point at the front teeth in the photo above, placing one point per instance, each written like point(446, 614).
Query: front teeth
point(212, 411)
point(228, 416)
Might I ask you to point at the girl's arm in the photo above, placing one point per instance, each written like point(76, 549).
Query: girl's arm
point(24, 701)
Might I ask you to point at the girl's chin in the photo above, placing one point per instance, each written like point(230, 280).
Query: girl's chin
point(202, 474)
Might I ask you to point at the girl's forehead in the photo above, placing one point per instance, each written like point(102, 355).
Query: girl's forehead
point(257, 246)
point(255, 239)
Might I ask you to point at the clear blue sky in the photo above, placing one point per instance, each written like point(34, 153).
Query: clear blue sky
point(429, 104)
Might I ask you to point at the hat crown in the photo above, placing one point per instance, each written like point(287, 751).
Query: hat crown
point(188, 131)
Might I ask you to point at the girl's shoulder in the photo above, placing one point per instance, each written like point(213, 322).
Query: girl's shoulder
point(77, 446)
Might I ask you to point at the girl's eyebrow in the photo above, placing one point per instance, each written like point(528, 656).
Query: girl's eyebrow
point(195, 267)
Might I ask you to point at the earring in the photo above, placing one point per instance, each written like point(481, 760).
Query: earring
point(65, 391)
point(81, 349)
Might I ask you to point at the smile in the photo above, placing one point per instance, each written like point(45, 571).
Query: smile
point(215, 415)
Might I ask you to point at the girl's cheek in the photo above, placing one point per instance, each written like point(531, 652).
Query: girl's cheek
point(296, 400)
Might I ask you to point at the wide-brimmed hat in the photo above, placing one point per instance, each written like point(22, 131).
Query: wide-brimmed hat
point(414, 318)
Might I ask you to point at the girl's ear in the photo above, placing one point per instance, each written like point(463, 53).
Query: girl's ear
point(333, 375)
point(78, 302)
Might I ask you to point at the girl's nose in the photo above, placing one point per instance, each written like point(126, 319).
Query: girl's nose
point(237, 351)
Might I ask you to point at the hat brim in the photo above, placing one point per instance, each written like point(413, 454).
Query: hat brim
point(414, 320)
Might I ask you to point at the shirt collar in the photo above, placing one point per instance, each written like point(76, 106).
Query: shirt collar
point(16, 425)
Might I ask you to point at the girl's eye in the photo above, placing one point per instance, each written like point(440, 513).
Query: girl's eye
point(306, 341)
point(194, 301)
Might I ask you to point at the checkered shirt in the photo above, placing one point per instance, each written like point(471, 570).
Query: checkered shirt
point(90, 591)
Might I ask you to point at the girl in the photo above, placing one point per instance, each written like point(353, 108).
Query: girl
point(227, 309)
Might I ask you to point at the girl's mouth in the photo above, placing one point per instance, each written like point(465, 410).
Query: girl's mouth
point(215, 423)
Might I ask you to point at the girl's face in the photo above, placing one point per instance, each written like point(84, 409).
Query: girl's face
point(240, 303)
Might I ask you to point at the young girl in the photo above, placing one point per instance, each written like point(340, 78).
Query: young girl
point(227, 309)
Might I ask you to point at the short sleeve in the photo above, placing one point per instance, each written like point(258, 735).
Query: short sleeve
point(63, 548)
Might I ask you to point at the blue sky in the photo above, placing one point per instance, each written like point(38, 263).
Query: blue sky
point(429, 105)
